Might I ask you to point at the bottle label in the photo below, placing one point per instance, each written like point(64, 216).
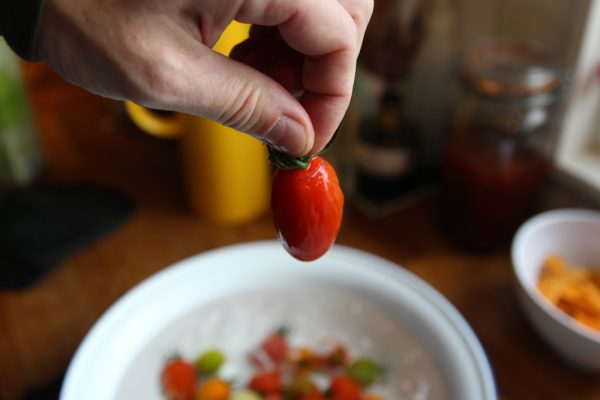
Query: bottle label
point(383, 162)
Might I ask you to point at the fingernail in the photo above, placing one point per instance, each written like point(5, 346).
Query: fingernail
point(289, 136)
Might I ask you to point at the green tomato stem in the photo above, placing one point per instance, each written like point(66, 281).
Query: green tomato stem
point(286, 162)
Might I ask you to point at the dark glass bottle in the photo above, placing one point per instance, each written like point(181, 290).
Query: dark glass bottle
point(387, 152)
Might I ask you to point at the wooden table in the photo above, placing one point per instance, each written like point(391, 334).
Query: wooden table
point(87, 139)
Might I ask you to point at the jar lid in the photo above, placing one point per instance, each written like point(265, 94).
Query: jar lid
point(502, 68)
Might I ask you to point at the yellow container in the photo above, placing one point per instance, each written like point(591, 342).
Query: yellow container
point(227, 174)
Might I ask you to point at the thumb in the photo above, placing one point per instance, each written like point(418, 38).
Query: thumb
point(236, 95)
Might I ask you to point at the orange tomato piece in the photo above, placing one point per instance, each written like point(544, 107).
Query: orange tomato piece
point(213, 389)
point(306, 360)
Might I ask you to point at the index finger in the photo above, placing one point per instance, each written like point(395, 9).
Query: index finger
point(325, 32)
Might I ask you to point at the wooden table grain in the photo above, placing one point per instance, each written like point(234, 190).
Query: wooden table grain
point(86, 139)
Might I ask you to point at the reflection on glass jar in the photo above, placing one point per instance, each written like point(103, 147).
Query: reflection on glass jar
point(497, 160)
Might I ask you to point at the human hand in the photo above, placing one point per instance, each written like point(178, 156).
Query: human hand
point(289, 84)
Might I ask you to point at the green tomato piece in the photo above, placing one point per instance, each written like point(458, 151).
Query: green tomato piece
point(210, 362)
point(365, 371)
point(245, 395)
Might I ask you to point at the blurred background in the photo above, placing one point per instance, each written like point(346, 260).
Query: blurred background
point(468, 117)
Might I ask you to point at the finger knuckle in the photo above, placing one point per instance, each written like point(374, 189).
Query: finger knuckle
point(361, 12)
point(245, 110)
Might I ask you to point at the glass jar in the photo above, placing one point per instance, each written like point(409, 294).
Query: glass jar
point(497, 159)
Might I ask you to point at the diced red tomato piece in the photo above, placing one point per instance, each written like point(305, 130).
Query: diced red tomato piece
point(266, 382)
point(179, 380)
point(345, 388)
point(276, 347)
point(274, 396)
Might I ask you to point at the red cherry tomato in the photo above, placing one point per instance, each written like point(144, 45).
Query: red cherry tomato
point(344, 388)
point(179, 380)
point(266, 383)
point(307, 208)
point(272, 353)
point(276, 347)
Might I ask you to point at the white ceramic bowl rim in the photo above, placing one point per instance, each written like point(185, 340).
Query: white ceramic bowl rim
point(518, 249)
point(476, 361)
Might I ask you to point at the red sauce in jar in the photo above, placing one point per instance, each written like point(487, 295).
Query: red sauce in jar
point(492, 183)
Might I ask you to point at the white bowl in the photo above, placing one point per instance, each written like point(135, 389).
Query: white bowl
point(573, 234)
point(232, 297)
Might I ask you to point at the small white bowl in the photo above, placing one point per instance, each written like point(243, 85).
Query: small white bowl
point(573, 234)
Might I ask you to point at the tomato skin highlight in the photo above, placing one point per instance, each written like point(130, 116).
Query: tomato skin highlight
point(307, 207)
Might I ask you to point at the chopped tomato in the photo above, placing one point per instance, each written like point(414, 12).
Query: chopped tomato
point(276, 347)
point(338, 357)
point(300, 388)
point(281, 372)
point(213, 389)
point(305, 360)
point(266, 383)
point(179, 380)
point(274, 396)
point(345, 388)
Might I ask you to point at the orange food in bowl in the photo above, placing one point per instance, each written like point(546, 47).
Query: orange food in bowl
point(573, 289)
